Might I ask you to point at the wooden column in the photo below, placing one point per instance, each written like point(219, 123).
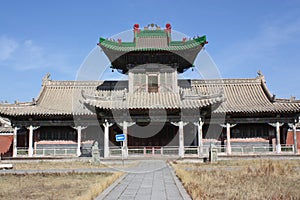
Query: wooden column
point(106, 138)
point(78, 152)
point(181, 140)
point(79, 131)
point(15, 150)
point(228, 143)
point(200, 136)
point(125, 142)
point(199, 125)
point(277, 127)
point(278, 145)
point(30, 141)
point(180, 124)
point(125, 126)
point(228, 126)
point(295, 138)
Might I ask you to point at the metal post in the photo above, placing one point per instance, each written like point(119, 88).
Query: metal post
point(122, 152)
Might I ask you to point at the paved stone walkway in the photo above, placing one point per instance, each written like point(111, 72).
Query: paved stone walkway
point(150, 180)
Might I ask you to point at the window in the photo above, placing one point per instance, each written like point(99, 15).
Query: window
point(152, 83)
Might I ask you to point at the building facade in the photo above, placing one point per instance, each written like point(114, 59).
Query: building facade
point(153, 108)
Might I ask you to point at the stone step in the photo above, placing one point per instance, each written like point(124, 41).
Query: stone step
point(6, 166)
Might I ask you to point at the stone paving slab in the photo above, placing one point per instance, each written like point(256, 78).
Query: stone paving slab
point(151, 180)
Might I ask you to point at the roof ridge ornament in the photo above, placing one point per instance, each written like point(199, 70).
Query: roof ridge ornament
point(46, 79)
point(5, 121)
point(272, 97)
point(292, 98)
point(259, 73)
point(261, 76)
point(152, 26)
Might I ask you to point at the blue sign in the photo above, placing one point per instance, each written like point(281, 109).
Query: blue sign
point(120, 137)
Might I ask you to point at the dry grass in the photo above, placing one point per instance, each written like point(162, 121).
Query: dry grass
point(44, 165)
point(250, 179)
point(83, 186)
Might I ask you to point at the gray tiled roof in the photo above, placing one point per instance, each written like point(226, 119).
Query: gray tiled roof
point(152, 42)
point(6, 129)
point(65, 98)
point(145, 100)
point(5, 126)
point(248, 96)
point(55, 98)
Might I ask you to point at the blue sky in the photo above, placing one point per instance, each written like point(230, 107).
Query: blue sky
point(37, 37)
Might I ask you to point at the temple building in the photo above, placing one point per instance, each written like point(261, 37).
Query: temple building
point(153, 108)
point(6, 138)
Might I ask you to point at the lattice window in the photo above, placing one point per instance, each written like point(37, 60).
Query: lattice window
point(163, 81)
point(139, 82)
point(152, 83)
point(169, 81)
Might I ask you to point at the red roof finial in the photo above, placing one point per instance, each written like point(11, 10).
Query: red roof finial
point(168, 26)
point(120, 41)
point(136, 26)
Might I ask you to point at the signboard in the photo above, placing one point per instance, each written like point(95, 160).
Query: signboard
point(120, 137)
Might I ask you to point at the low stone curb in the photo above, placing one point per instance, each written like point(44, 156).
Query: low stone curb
point(179, 185)
point(50, 171)
point(110, 188)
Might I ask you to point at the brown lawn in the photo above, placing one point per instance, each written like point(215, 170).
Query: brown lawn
point(83, 186)
point(43, 165)
point(241, 179)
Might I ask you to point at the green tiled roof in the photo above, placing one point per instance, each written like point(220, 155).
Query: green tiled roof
point(151, 33)
point(172, 46)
